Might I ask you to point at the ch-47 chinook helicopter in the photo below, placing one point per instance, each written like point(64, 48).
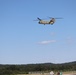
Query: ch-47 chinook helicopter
point(51, 21)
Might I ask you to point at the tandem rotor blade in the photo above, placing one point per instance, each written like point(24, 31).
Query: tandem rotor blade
point(59, 18)
point(38, 19)
point(56, 17)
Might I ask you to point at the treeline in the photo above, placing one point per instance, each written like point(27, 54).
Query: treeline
point(26, 68)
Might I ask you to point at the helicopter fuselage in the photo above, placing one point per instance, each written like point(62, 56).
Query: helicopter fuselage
point(43, 22)
point(46, 22)
point(51, 21)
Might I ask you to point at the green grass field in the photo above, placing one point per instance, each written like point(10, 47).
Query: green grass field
point(63, 73)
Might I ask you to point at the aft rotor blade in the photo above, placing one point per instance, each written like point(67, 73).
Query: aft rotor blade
point(36, 20)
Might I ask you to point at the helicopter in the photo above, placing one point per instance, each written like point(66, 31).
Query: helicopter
point(51, 21)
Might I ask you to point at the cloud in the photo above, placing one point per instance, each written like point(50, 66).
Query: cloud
point(47, 42)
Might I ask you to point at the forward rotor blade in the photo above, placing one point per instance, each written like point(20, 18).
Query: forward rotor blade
point(50, 17)
point(56, 18)
point(59, 18)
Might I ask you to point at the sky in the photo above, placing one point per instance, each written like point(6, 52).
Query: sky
point(24, 41)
